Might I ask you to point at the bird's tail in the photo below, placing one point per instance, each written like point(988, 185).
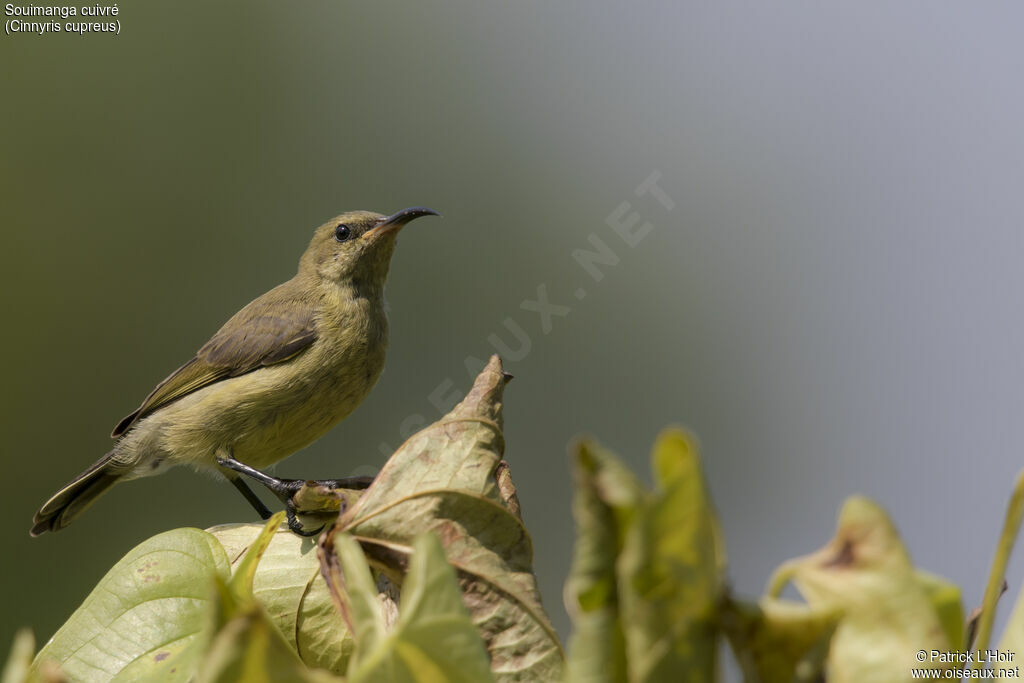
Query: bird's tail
point(72, 500)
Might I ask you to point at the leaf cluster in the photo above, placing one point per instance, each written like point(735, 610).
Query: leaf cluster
point(427, 577)
point(650, 600)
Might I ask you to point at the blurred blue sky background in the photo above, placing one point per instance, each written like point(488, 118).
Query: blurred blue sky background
point(832, 305)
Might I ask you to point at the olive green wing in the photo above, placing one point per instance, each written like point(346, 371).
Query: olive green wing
point(271, 329)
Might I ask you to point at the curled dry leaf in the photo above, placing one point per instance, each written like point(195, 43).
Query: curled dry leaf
point(507, 490)
point(442, 481)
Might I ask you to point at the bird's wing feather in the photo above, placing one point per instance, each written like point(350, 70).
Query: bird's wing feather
point(272, 329)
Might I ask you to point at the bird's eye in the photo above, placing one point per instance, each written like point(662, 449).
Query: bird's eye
point(342, 232)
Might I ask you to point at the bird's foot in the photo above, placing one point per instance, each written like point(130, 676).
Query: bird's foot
point(318, 497)
point(295, 524)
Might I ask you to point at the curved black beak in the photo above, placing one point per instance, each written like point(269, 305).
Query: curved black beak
point(396, 220)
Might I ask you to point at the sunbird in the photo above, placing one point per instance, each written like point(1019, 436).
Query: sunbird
point(276, 377)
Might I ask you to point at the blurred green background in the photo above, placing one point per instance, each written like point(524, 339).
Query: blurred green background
point(832, 304)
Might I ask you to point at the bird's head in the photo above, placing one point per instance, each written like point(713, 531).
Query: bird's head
point(357, 245)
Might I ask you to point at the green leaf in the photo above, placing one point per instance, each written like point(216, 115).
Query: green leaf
point(290, 587)
point(944, 597)
point(1012, 641)
point(434, 639)
point(18, 668)
point(1013, 635)
point(246, 646)
point(244, 572)
point(671, 571)
point(648, 570)
point(361, 593)
point(442, 480)
point(20, 658)
point(145, 618)
point(778, 640)
point(323, 639)
point(606, 498)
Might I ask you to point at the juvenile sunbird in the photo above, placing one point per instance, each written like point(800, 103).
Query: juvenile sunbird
point(276, 377)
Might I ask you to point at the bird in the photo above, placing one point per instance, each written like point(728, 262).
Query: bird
point(277, 376)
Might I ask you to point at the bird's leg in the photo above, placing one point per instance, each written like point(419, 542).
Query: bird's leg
point(262, 510)
point(282, 488)
point(286, 490)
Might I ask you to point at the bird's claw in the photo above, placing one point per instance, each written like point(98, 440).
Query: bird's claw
point(286, 489)
point(295, 525)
